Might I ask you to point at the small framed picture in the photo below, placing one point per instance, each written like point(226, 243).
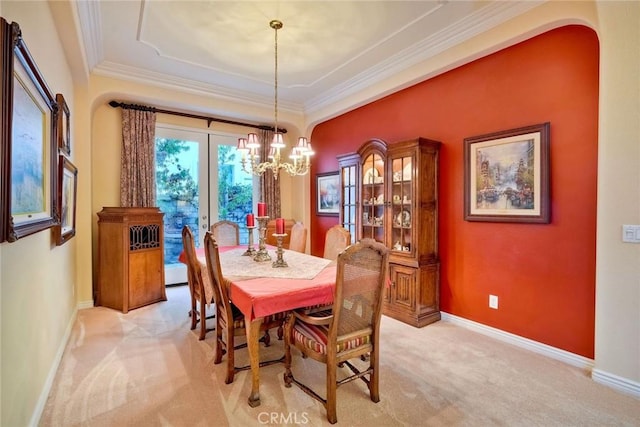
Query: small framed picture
point(64, 122)
point(506, 176)
point(67, 194)
point(328, 194)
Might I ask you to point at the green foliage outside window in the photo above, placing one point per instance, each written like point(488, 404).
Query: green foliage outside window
point(174, 181)
point(234, 199)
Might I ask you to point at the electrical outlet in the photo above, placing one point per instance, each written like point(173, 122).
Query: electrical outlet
point(493, 301)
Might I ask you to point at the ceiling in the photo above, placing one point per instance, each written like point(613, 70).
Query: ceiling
point(327, 50)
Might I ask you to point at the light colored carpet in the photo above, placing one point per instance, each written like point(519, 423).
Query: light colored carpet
point(146, 368)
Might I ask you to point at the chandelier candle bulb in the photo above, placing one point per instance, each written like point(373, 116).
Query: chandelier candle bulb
point(250, 220)
point(262, 209)
point(279, 225)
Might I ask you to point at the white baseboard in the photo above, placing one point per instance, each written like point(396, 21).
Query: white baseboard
point(44, 394)
point(85, 304)
point(617, 383)
point(537, 347)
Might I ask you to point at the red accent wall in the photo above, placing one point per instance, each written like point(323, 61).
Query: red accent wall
point(543, 274)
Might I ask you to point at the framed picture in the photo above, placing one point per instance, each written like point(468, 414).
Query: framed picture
point(328, 194)
point(27, 141)
point(506, 176)
point(63, 125)
point(67, 193)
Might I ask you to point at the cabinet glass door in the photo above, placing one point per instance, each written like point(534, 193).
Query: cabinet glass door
point(349, 200)
point(401, 204)
point(373, 194)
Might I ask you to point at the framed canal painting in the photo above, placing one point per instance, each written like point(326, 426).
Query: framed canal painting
point(506, 176)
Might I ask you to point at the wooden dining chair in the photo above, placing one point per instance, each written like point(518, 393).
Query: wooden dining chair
point(349, 330)
point(226, 233)
point(230, 321)
point(336, 240)
point(195, 279)
point(298, 241)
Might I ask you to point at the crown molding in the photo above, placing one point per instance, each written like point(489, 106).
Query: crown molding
point(465, 29)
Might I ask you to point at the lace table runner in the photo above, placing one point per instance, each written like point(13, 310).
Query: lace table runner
point(301, 266)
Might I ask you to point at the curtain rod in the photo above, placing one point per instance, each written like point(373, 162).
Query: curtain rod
point(116, 104)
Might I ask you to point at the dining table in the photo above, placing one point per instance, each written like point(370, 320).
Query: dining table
point(260, 289)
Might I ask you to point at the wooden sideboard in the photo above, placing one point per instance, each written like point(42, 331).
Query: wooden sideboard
point(130, 258)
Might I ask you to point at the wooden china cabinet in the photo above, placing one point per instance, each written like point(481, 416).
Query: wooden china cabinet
point(389, 193)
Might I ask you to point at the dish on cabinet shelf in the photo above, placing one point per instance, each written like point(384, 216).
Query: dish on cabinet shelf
point(370, 176)
point(403, 219)
point(399, 247)
point(380, 200)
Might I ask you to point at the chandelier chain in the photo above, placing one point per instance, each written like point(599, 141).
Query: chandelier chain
point(276, 27)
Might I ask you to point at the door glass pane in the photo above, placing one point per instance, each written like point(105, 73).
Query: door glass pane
point(177, 192)
point(198, 182)
point(235, 189)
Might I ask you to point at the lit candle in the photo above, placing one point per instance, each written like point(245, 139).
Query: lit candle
point(250, 222)
point(262, 209)
point(279, 226)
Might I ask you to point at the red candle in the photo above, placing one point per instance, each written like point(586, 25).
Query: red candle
point(250, 222)
point(262, 209)
point(279, 226)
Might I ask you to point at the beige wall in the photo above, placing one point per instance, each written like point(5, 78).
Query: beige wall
point(38, 279)
point(617, 346)
point(37, 305)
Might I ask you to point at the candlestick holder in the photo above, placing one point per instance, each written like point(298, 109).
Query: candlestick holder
point(251, 251)
point(279, 262)
point(262, 254)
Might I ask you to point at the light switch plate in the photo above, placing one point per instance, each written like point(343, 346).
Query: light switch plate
point(631, 233)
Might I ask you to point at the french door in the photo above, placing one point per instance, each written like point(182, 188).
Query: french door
point(198, 181)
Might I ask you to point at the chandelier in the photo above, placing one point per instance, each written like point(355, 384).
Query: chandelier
point(250, 146)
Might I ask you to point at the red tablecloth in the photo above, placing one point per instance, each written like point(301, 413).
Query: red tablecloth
point(261, 296)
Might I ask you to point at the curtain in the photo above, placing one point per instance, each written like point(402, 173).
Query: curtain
point(269, 185)
point(137, 177)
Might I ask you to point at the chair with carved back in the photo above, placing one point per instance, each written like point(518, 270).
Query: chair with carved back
point(298, 241)
point(349, 330)
point(230, 321)
point(336, 240)
point(196, 286)
point(226, 233)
